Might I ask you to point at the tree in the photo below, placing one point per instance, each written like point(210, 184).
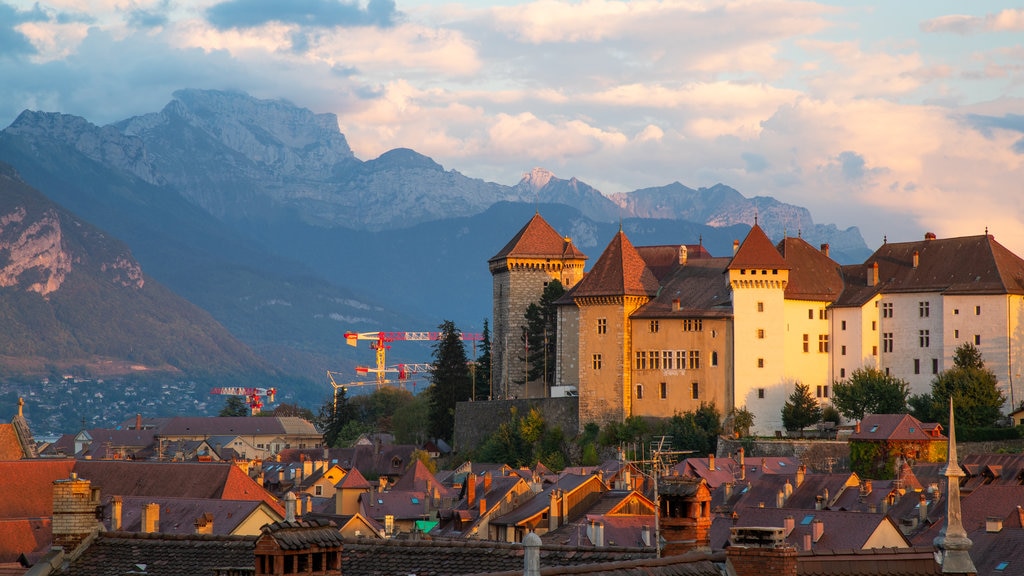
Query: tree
point(450, 381)
point(234, 406)
point(696, 430)
point(801, 410)
point(742, 421)
point(284, 410)
point(336, 414)
point(541, 334)
point(977, 400)
point(868, 390)
point(482, 374)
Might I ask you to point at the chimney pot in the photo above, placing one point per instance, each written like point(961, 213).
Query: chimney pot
point(929, 236)
point(824, 249)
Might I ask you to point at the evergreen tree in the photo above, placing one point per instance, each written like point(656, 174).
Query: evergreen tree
point(801, 410)
point(870, 391)
point(482, 377)
point(335, 416)
point(450, 381)
point(541, 334)
point(234, 406)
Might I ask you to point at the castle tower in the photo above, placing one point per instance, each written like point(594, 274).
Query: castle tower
point(758, 275)
point(535, 256)
point(618, 284)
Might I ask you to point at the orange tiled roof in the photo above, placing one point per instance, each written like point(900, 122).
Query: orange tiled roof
point(757, 251)
point(891, 427)
point(538, 240)
point(620, 271)
point(10, 446)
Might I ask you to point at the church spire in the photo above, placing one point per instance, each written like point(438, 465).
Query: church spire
point(952, 542)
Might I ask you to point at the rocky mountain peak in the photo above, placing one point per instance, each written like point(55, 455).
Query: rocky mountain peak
point(536, 179)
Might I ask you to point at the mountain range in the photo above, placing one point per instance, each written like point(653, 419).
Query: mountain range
point(258, 212)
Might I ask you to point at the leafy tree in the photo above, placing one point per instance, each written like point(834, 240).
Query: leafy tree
point(831, 414)
point(742, 421)
point(696, 430)
point(541, 334)
point(450, 381)
point(482, 374)
point(234, 406)
point(524, 441)
point(411, 421)
point(869, 390)
point(285, 410)
point(801, 410)
point(977, 400)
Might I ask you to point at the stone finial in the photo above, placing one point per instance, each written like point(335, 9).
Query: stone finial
point(953, 543)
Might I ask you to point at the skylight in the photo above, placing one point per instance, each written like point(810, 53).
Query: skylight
point(1002, 566)
point(415, 500)
point(874, 428)
point(807, 520)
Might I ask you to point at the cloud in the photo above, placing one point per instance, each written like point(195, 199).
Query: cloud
point(1009, 20)
point(150, 18)
point(312, 13)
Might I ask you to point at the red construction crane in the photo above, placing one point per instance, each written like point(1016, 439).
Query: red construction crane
point(253, 396)
point(380, 342)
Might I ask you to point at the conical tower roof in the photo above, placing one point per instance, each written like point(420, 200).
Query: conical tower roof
point(620, 271)
point(538, 240)
point(757, 251)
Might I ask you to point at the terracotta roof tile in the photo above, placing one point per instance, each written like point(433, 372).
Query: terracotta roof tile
point(537, 239)
point(10, 446)
point(757, 251)
point(620, 271)
point(890, 427)
point(698, 287)
point(842, 530)
point(812, 274)
point(29, 536)
point(896, 561)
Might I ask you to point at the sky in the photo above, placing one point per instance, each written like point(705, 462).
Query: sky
point(898, 117)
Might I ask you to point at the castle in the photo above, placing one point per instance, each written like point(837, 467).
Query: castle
point(659, 330)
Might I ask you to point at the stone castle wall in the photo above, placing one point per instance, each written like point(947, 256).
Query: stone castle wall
point(513, 292)
point(475, 421)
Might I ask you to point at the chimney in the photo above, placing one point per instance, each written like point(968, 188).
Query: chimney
point(801, 471)
point(470, 489)
point(531, 554)
point(824, 249)
point(917, 258)
point(817, 530)
point(788, 523)
point(807, 542)
point(151, 518)
point(922, 510)
point(856, 428)
point(483, 506)
point(138, 421)
point(929, 235)
point(757, 551)
point(735, 247)
point(74, 511)
point(727, 489)
point(787, 489)
point(554, 507)
point(743, 467)
point(382, 483)
point(676, 305)
point(645, 535)
point(487, 481)
point(873, 274)
point(993, 524)
point(682, 255)
point(780, 499)
point(817, 502)
point(116, 504)
point(204, 524)
point(307, 468)
point(289, 507)
point(711, 462)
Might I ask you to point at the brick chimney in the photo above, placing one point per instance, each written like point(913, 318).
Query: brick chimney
point(873, 274)
point(801, 471)
point(824, 249)
point(788, 523)
point(817, 530)
point(138, 421)
point(487, 481)
point(676, 305)
point(917, 258)
point(150, 518)
point(759, 551)
point(116, 505)
point(74, 511)
point(711, 462)
point(470, 489)
point(483, 506)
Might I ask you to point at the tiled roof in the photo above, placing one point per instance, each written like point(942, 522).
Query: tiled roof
point(178, 515)
point(662, 260)
point(402, 504)
point(457, 557)
point(119, 553)
point(538, 240)
point(29, 536)
point(620, 271)
point(354, 480)
point(28, 485)
point(842, 530)
point(964, 265)
point(806, 494)
point(419, 478)
point(757, 251)
point(698, 287)
point(812, 274)
point(856, 291)
point(871, 562)
point(10, 447)
point(891, 427)
point(305, 534)
point(687, 565)
point(235, 425)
